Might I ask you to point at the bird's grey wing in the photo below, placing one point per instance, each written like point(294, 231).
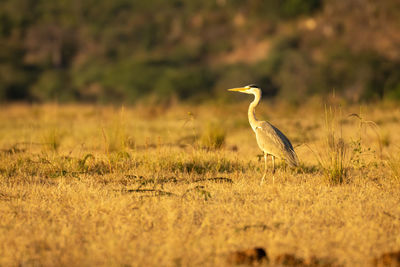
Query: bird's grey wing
point(272, 141)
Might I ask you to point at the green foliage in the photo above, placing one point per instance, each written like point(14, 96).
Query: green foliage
point(362, 75)
point(52, 85)
point(184, 83)
point(280, 9)
point(293, 8)
point(240, 74)
point(121, 51)
point(384, 78)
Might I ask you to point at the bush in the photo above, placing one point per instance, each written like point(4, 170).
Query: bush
point(53, 85)
point(184, 83)
point(294, 8)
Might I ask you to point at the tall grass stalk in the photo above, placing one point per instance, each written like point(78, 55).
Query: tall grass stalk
point(106, 149)
point(393, 162)
point(364, 125)
point(335, 159)
point(117, 137)
point(52, 139)
point(212, 137)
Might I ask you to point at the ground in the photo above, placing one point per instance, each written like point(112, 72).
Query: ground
point(179, 185)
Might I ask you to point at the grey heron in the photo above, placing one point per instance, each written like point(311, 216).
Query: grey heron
point(269, 138)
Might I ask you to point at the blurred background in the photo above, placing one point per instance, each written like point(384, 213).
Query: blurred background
point(124, 51)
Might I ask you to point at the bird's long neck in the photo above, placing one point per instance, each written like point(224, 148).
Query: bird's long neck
point(252, 110)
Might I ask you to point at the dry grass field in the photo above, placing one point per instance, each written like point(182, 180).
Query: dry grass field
point(180, 185)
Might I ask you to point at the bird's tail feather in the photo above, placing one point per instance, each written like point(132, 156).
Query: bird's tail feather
point(292, 159)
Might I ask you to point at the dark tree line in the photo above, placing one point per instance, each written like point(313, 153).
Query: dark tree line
point(106, 51)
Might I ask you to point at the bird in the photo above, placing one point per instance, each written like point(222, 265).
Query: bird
point(269, 138)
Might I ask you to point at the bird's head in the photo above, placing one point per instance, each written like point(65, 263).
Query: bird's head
point(248, 89)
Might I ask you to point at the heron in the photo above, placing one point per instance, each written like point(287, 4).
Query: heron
point(269, 138)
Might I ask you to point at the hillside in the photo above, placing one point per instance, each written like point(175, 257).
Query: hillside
point(101, 51)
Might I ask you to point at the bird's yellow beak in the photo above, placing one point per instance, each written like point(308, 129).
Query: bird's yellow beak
point(239, 89)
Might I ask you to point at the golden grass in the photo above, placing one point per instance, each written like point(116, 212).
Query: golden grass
point(133, 187)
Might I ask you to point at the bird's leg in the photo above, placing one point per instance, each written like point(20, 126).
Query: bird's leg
point(273, 164)
point(265, 167)
point(273, 169)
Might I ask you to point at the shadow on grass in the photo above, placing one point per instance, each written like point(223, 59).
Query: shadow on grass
point(164, 180)
point(307, 169)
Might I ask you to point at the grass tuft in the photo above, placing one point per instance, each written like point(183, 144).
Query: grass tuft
point(213, 137)
point(393, 162)
point(334, 159)
point(52, 139)
point(82, 162)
